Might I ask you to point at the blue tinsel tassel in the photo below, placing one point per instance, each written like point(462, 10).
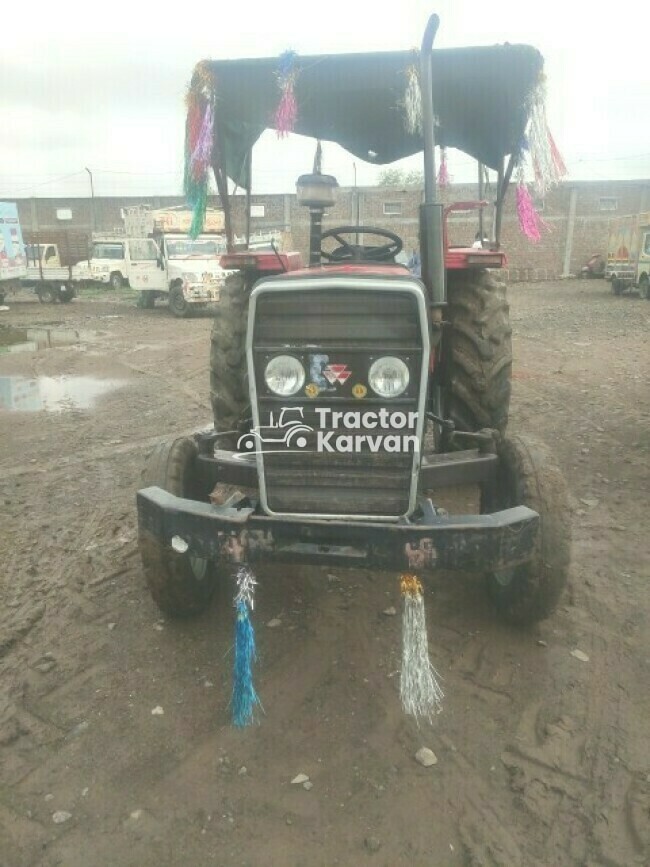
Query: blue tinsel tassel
point(244, 697)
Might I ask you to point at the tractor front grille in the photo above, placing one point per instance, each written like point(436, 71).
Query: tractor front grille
point(337, 327)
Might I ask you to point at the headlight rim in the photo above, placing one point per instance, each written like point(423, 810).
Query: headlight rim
point(301, 378)
point(401, 363)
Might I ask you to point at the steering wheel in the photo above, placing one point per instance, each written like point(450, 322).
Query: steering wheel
point(349, 252)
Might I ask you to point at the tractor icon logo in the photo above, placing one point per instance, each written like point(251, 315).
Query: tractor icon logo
point(290, 431)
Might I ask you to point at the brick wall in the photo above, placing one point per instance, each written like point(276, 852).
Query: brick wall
point(397, 209)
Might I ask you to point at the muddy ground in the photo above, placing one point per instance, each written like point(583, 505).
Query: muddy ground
point(543, 758)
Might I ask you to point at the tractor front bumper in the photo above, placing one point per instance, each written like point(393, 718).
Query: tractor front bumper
point(431, 538)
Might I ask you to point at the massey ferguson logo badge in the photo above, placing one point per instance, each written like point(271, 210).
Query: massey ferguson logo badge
point(337, 373)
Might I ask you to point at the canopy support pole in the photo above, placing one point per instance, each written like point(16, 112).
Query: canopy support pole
point(222, 189)
point(503, 182)
point(480, 198)
point(221, 179)
point(249, 185)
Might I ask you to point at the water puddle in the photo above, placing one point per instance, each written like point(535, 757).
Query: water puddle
point(53, 393)
point(14, 339)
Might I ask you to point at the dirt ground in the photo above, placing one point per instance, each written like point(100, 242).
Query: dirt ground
point(543, 757)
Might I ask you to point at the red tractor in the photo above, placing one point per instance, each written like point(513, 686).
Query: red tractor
point(403, 383)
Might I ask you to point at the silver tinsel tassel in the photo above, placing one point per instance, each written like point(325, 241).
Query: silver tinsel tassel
point(413, 102)
point(419, 688)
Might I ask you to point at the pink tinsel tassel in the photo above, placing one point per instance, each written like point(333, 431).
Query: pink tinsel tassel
point(530, 221)
point(443, 171)
point(202, 153)
point(557, 156)
point(286, 112)
point(193, 124)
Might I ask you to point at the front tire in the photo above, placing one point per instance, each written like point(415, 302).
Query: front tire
point(181, 585)
point(177, 303)
point(477, 358)
point(617, 287)
point(528, 476)
point(228, 377)
point(644, 288)
point(116, 280)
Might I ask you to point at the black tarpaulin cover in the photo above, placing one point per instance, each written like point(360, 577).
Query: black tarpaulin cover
point(481, 101)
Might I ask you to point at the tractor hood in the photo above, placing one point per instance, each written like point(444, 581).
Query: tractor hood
point(481, 100)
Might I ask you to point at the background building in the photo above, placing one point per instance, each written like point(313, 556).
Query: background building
point(576, 216)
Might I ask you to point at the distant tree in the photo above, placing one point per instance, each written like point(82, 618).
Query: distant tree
point(400, 178)
point(391, 178)
point(414, 178)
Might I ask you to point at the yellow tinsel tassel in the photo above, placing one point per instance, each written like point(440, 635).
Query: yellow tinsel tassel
point(420, 690)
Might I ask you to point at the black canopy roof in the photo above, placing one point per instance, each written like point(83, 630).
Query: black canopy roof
point(481, 99)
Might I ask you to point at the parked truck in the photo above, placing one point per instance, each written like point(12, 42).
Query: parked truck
point(164, 262)
point(12, 250)
point(57, 263)
point(628, 254)
point(109, 259)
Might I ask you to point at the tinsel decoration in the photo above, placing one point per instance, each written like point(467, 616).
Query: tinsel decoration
point(548, 165)
point(202, 153)
point(199, 143)
point(538, 146)
point(420, 691)
point(413, 101)
point(244, 697)
point(287, 111)
point(530, 221)
point(557, 156)
point(443, 172)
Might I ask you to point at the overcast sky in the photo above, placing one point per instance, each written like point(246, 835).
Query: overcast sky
point(103, 85)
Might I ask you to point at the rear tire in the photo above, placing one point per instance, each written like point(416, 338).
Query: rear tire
point(228, 376)
point(146, 300)
point(528, 476)
point(66, 295)
point(181, 585)
point(477, 360)
point(46, 294)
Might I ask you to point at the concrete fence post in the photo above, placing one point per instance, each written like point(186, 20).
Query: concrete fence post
point(569, 233)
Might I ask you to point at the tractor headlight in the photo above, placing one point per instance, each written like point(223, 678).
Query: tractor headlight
point(388, 376)
point(284, 375)
point(188, 277)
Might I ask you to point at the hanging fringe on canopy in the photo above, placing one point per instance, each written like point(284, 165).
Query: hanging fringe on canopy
point(420, 691)
point(548, 165)
point(287, 111)
point(557, 156)
point(413, 101)
point(199, 207)
point(199, 144)
point(244, 697)
point(202, 152)
point(538, 146)
point(443, 171)
point(530, 221)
